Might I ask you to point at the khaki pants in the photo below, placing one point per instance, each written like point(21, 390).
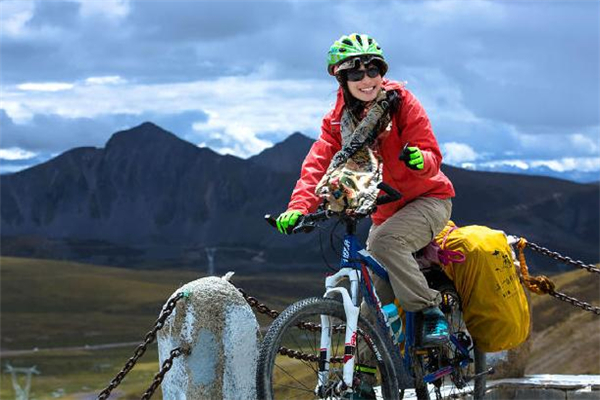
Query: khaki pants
point(392, 244)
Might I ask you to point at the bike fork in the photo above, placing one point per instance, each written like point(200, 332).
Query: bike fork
point(351, 312)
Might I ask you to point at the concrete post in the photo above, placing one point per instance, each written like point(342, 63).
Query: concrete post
point(219, 327)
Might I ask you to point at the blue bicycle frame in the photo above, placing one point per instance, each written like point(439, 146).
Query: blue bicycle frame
point(355, 258)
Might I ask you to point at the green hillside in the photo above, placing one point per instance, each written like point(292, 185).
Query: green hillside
point(62, 308)
point(55, 304)
point(566, 339)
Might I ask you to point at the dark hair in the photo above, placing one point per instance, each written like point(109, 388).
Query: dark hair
point(354, 105)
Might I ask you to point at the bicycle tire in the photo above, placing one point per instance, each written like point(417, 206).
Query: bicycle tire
point(271, 381)
point(452, 308)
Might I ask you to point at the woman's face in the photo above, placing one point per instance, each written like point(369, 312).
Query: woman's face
point(367, 88)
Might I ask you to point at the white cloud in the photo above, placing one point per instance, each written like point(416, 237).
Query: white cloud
point(114, 9)
point(441, 97)
point(105, 80)
point(458, 153)
point(506, 163)
point(502, 72)
point(14, 153)
point(45, 86)
point(241, 109)
point(586, 143)
point(442, 12)
point(14, 15)
point(566, 145)
point(582, 164)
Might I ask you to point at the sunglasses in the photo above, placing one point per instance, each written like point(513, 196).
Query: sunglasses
point(355, 75)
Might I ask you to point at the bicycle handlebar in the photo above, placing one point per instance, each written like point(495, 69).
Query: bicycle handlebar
point(307, 223)
point(390, 195)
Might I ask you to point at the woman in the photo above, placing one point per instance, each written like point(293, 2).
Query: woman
point(399, 228)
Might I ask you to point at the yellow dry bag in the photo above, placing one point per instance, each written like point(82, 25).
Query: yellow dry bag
point(495, 307)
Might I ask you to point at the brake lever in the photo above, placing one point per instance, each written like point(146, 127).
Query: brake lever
point(304, 227)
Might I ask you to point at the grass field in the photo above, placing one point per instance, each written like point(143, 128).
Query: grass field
point(82, 374)
point(51, 304)
point(566, 339)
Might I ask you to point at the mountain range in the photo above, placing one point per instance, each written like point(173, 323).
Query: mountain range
point(149, 195)
point(571, 175)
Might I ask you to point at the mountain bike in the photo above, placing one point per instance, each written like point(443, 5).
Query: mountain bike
point(329, 348)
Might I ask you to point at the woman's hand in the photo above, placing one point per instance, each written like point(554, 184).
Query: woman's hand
point(413, 158)
point(287, 221)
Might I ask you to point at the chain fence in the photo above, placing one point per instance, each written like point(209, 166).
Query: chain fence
point(141, 349)
point(561, 258)
point(167, 364)
point(540, 284)
point(543, 285)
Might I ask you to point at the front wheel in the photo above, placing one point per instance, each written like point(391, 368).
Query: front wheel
point(288, 361)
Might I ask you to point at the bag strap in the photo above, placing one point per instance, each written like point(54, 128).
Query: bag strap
point(450, 256)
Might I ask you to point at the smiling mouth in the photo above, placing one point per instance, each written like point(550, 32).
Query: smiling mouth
point(368, 90)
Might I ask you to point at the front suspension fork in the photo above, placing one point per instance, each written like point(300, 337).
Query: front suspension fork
point(352, 311)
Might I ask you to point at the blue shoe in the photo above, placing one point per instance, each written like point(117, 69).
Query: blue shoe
point(435, 327)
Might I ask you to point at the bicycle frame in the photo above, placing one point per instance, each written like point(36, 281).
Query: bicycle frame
point(353, 266)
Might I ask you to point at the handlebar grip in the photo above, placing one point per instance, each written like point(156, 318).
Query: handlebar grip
point(300, 227)
point(271, 220)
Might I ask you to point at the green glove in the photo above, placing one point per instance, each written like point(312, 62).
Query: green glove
point(287, 220)
point(413, 158)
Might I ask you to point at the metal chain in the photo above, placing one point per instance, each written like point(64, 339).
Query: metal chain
point(261, 308)
point(167, 364)
point(309, 326)
point(573, 301)
point(564, 259)
point(141, 349)
point(543, 285)
point(284, 351)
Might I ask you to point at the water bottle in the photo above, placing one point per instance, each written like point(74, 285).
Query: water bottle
point(394, 321)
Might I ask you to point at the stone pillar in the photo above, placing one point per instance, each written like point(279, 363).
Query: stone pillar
point(219, 327)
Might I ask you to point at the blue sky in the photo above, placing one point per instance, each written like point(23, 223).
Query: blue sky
point(504, 82)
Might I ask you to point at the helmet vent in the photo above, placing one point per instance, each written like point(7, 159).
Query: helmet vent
point(370, 41)
point(359, 40)
point(342, 50)
point(347, 41)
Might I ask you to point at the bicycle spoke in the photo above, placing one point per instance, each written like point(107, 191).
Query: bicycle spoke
point(292, 377)
point(301, 349)
point(306, 388)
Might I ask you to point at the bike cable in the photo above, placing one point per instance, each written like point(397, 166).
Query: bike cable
point(332, 235)
point(323, 251)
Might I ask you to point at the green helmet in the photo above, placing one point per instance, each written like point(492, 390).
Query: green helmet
point(354, 45)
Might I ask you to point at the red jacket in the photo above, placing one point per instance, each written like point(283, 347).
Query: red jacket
point(410, 124)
